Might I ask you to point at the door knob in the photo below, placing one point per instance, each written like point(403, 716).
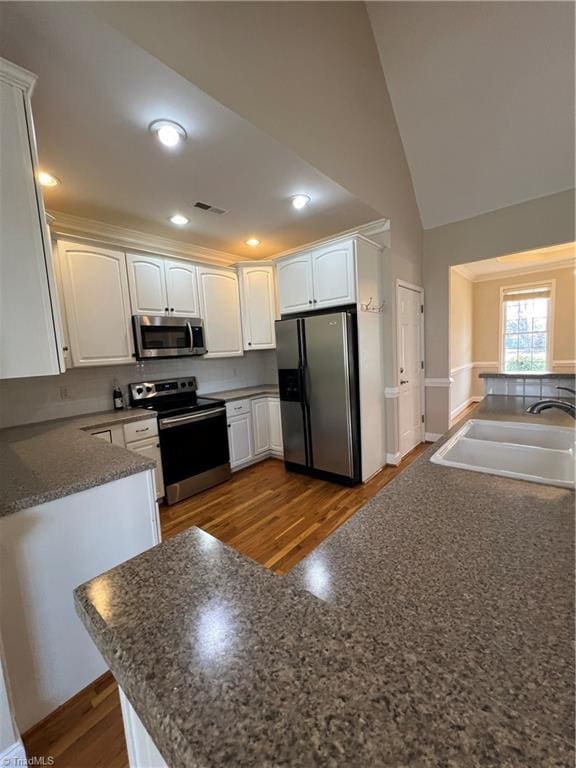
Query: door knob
point(404, 381)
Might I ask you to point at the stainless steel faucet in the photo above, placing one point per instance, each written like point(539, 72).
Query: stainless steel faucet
point(550, 402)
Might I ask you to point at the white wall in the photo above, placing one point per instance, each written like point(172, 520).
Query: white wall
point(90, 389)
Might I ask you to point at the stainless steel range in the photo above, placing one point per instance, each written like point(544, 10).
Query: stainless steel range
point(193, 435)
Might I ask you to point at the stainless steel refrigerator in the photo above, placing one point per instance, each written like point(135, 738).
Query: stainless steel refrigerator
point(318, 378)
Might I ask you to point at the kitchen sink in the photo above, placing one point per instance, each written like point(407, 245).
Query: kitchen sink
point(534, 452)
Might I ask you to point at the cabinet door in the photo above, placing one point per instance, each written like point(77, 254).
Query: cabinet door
point(276, 445)
point(258, 301)
point(220, 310)
point(261, 425)
point(97, 304)
point(147, 284)
point(333, 272)
point(295, 284)
point(29, 338)
point(240, 440)
point(182, 287)
point(151, 449)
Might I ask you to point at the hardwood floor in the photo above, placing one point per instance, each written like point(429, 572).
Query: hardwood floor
point(273, 516)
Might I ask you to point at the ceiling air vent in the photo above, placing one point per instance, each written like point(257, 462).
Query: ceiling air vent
point(209, 208)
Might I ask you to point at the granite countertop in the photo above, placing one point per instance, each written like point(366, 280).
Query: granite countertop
point(525, 375)
point(242, 392)
point(433, 628)
point(48, 460)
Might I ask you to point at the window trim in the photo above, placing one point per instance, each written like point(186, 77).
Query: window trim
point(534, 284)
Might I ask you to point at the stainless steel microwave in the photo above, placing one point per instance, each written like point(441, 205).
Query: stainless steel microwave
point(163, 336)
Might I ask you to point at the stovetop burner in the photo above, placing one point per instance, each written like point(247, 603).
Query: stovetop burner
point(170, 396)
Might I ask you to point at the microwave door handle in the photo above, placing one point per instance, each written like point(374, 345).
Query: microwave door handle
point(189, 326)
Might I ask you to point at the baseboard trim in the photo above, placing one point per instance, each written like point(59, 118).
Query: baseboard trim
point(14, 756)
point(257, 459)
point(393, 458)
point(462, 407)
point(431, 437)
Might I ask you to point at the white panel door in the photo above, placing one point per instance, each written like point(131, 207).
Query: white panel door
point(240, 439)
point(220, 310)
point(97, 304)
point(258, 302)
point(29, 338)
point(334, 275)
point(261, 425)
point(275, 425)
point(147, 284)
point(410, 369)
point(182, 287)
point(295, 284)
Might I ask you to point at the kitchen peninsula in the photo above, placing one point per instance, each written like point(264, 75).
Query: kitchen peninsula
point(446, 653)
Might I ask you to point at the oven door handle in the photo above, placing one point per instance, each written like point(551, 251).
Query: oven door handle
point(177, 421)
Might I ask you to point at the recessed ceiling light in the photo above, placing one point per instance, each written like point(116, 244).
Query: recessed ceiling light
point(300, 201)
point(253, 241)
point(179, 220)
point(168, 133)
point(47, 180)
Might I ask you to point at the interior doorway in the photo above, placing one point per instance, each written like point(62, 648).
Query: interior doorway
point(410, 360)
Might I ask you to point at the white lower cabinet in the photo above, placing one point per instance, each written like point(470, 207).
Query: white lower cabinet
point(240, 440)
point(151, 449)
point(276, 445)
point(261, 425)
point(254, 430)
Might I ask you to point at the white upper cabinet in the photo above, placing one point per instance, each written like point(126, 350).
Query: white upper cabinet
point(323, 277)
point(333, 275)
point(182, 288)
point(220, 310)
point(258, 302)
point(295, 284)
point(30, 343)
point(160, 286)
point(97, 304)
point(147, 284)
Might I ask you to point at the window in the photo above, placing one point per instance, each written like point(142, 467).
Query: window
point(526, 327)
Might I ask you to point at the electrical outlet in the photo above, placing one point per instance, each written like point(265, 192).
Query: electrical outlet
point(64, 392)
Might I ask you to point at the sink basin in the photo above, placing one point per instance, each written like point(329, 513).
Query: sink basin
point(534, 452)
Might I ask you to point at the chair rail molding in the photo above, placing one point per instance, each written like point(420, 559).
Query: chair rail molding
point(439, 382)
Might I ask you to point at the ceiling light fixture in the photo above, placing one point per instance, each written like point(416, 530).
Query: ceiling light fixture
point(179, 220)
point(300, 201)
point(47, 180)
point(253, 241)
point(168, 133)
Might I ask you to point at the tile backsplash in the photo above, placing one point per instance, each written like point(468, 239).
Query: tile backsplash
point(89, 390)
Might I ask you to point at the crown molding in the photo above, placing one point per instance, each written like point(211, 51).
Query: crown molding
point(462, 269)
point(14, 75)
point(365, 231)
point(68, 225)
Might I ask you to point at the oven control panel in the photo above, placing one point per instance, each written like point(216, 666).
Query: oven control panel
point(149, 390)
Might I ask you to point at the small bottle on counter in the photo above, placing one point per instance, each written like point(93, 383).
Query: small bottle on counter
point(118, 398)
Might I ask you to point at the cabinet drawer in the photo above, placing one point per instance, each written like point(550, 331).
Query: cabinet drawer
point(236, 407)
point(139, 430)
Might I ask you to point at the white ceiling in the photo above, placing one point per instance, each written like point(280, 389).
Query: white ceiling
point(97, 92)
point(542, 259)
point(483, 93)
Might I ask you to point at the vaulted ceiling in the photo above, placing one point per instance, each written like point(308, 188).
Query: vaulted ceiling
point(483, 94)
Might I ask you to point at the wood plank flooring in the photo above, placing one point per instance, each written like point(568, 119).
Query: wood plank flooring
point(270, 515)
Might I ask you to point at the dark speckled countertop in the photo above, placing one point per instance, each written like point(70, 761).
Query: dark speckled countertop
point(434, 628)
point(48, 460)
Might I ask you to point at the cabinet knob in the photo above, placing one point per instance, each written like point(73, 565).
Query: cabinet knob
point(309, 301)
point(65, 349)
point(165, 309)
point(171, 309)
point(249, 343)
point(315, 301)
